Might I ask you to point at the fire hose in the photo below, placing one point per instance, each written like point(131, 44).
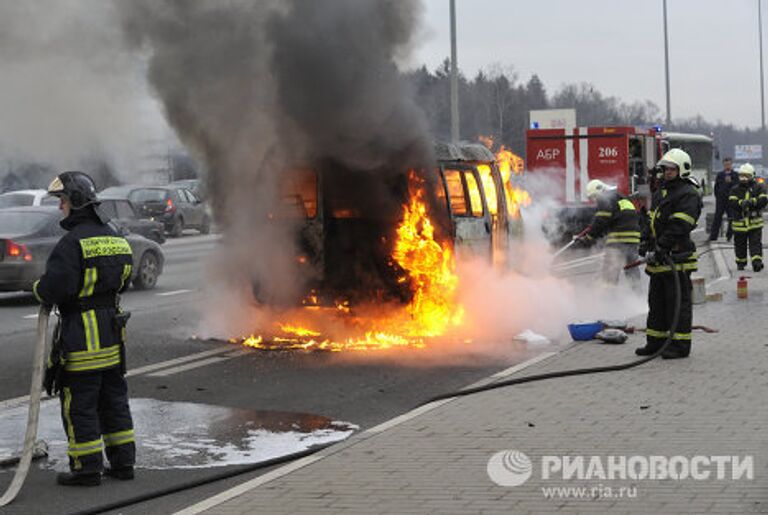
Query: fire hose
point(461, 393)
point(581, 371)
point(35, 392)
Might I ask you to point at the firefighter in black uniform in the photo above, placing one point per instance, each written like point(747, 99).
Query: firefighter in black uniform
point(84, 274)
point(618, 220)
point(746, 203)
point(675, 210)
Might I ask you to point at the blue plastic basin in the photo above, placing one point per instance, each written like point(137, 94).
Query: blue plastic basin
point(583, 332)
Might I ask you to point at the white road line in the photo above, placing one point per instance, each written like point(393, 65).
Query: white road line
point(19, 401)
point(30, 317)
point(226, 495)
point(196, 364)
point(170, 293)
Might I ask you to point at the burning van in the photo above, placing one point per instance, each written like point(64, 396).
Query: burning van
point(349, 223)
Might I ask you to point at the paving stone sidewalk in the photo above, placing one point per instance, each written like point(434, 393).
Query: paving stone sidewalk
point(712, 404)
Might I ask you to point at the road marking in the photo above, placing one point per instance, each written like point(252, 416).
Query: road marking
point(19, 401)
point(30, 317)
point(170, 293)
point(226, 495)
point(197, 364)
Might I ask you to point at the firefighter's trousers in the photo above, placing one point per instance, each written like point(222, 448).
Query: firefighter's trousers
point(752, 239)
point(616, 256)
point(96, 417)
point(661, 309)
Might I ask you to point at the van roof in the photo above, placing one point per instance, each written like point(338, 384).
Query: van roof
point(463, 151)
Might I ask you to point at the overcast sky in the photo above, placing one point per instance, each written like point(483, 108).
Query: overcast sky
point(617, 45)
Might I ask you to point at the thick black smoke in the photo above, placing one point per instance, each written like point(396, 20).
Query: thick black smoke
point(257, 87)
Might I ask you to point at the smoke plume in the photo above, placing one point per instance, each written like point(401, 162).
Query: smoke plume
point(257, 87)
point(70, 95)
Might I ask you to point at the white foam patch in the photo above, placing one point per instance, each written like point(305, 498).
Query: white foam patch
point(187, 435)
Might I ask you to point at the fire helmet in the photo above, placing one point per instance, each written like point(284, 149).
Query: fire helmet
point(595, 187)
point(77, 187)
point(747, 170)
point(678, 158)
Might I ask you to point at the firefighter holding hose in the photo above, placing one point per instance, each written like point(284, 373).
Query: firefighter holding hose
point(618, 220)
point(86, 271)
point(746, 203)
point(675, 210)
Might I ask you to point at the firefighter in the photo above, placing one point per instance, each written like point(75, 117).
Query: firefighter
point(617, 218)
point(675, 210)
point(746, 202)
point(84, 274)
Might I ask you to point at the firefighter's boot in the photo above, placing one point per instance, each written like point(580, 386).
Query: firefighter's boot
point(70, 479)
point(677, 350)
point(124, 473)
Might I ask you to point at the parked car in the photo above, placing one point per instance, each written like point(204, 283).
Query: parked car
point(121, 211)
point(22, 198)
point(196, 186)
point(177, 208)
point(28, 235)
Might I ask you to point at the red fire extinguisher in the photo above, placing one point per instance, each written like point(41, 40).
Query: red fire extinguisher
point(741, 287)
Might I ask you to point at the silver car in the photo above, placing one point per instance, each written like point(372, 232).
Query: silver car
point(27, 238)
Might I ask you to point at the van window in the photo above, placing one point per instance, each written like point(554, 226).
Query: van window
point(489, 188)
point(474, 194)
point(456, 192)
point(298, 194)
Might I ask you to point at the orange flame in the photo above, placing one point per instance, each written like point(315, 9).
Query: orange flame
point(429, 269)
point(509, 164)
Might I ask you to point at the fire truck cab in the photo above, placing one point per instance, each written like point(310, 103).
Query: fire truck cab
point(620, 156)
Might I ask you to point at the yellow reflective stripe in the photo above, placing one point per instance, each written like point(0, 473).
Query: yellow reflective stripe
point(757, 258)
point(34, 290)
point(99, 246)
point(741, 260)
point(91, 326)
point(626, 205)
point(85, 448)
point(682, 336)
point(684, 217)
point(603, 213)
point(87, 329)
point(93, 365)
point(79, 356)
point(622, 240)
point(690, 265)
point(733, 197)
point(119, 438)
point(624, 233)
point(89, 281)
point(126, 274)
point(656, 334)
point(67, 405)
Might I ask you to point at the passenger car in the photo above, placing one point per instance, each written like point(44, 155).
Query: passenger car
point(121, 212)
point(177, 208)
point(21, 198)
point(28, 235)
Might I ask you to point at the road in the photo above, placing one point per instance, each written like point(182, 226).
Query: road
point(167, 365)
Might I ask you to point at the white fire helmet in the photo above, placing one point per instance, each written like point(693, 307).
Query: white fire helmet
point(747, 170)
point(679, 158)
point(595, 187)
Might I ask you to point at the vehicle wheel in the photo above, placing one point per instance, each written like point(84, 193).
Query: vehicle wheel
point(177, 229)
point(205, 227)
point(149, 268)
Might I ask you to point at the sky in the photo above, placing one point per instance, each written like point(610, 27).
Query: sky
point(617, 45)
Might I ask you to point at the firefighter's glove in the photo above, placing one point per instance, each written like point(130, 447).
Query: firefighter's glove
point(657, 257)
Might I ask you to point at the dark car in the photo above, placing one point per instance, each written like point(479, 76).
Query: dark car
point(121, 211)
point(28, 235)
point(177, 208)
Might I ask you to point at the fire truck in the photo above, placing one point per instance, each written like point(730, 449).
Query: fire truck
point(620, 156)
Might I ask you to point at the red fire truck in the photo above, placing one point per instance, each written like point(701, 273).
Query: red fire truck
point(620, 156)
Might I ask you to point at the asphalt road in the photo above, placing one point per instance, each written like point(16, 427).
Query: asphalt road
point(167, 365)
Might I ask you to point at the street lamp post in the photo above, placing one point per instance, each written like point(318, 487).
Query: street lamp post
point(454, 79)
point(762, 81)
point(666, 62)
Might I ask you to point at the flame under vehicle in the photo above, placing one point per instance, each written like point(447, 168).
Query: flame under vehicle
point(348, 222)
point(620, 156)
